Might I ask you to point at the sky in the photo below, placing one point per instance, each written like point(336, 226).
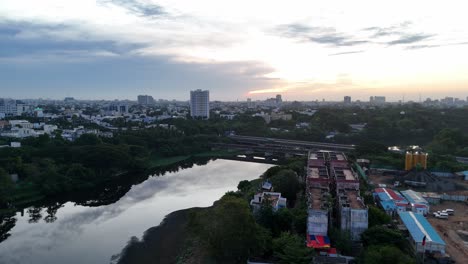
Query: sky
point(305, 50)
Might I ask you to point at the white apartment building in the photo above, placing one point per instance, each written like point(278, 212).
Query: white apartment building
point(200, 104)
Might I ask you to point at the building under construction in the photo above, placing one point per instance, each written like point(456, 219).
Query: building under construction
point(329, 176)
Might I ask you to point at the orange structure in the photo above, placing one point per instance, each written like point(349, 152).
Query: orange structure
point(413, 159)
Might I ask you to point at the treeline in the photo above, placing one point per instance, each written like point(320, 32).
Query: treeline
point(51, 166)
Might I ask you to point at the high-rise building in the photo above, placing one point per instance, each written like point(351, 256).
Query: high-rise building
point(448, 101)
point(10, 107)
point(279, 100)
point(200, 104)
point(377, 99)
point(347, 99)
point(145, 100)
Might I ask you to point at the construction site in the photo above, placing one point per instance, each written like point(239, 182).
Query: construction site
point(454, 229)
point(429, 196)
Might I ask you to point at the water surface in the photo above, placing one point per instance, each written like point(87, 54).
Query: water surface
point(80, 234)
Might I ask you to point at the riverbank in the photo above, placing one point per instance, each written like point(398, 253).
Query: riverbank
point(25, 194)
point(157, 161)
point(163, 243)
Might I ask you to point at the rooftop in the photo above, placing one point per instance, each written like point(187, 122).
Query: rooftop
point(388, 194)
point(318, 198)
point(418, 227)
point(337, 156)
point(317, 172)
point(351, 198)
point(341, 173)
point(414, 197)
point(316, 158)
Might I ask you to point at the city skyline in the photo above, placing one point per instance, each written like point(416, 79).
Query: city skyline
point(116, 49)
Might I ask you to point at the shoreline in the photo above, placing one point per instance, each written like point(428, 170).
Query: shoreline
point(164, 243)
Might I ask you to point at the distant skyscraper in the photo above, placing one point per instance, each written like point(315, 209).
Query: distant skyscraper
point(10, 107)
point(347, 99)
point(145, 99)
point(200, 103)
point(279, 100)
point(249, 103)
point(377, 100)
point(447, 101)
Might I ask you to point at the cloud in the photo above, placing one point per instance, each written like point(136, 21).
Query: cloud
point(320, 35)
point(272, 90)
point(23, 39)
point(137, 7)
point(346, 53)
point(336, 39)
point(393, 30)
point(409, 39)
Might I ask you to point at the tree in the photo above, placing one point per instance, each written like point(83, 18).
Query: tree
point(379, 235)
point(287, 183)
point(385, 255)
point(291, 249)
point(88, 139)
point(6, 187)
point(243, 185)
point(231, 231)
point(378, 217)
point(342, 241)
point(370, 147)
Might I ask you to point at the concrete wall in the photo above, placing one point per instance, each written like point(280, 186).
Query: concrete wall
point(317, 222)
point(354, 220)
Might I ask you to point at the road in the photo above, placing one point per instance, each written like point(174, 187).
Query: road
point(298, 143)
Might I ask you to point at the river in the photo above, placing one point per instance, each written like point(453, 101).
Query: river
point(82, 234)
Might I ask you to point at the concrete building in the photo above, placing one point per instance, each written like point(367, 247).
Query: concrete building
point(353, 213)
point(279, 99)
point(21, 124)
point(418, 204)
point(319, 200)
point(10, 107)
point(419, 228)
point(117, 108)
point(145, 99)
point(15, 144)
point(19, 132)
point(281, 116)
point(347, 100)
point(331, 171)
point(200, 104)
point(377, 100)
point(273, 198)
point(317, 171)
point(344, 177)
point(392, 202)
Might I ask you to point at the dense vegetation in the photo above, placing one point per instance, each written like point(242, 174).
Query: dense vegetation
point(50, 166)
point(231, 232)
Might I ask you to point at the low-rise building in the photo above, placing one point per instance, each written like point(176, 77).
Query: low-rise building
point(273, 198)
point(418, 203)
point(15, 144)
point(19, 132)
point(345, 177)
point(423, 237)
point(319, 204)
point(353, 213)
point(21, 124)
point(390, 201)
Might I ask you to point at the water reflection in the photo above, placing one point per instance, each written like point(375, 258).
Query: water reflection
point(92, 230)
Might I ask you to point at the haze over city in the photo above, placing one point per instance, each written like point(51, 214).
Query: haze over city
point(305, 50)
